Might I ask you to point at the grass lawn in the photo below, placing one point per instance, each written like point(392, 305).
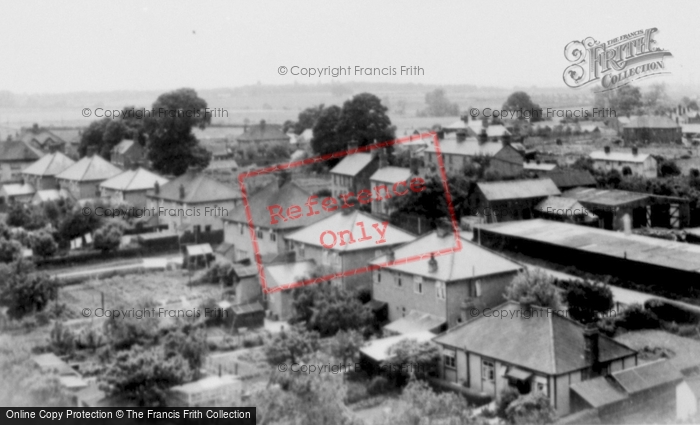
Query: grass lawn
point(686, 350)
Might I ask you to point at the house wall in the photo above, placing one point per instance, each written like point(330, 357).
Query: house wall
point(238, 234)
point(404, 297)
point(248, 290)
point(82, 190)
point(646, 169)
point(489, 288)
point(12, 170)
point(41, 182)
point(506, 168)
point(280, 303)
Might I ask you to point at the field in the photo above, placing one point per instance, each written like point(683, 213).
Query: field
point(686, 351)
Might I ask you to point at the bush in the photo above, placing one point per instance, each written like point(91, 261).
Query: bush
point(108, 237)
point(356, 392)
point(378, 385)
point(671, 313)
point(44, 245)
point(61, 340)
point(533, 408)
point(508, 395)
point(636, 317)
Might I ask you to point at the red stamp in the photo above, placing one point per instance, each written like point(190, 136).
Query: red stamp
point(329, 238)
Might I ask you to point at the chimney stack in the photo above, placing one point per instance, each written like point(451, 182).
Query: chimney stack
point(444, 227)
point(432, 264)
point(90, 151)
point(156, 188)
point(607, 150)
point(635, 150)
point(461, 135)
point(591, 344)
point(182, 191)
point(483, 136)
point(262, 127)
point(465, 308)
point(390, 255)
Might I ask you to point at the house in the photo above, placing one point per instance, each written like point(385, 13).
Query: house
point(387, 177)
point(510, 200)
point(569, 178)
point(633, 162)
point(441, 284)
point(237, 316)
point(212, 391)
point(83, 178)
point(507, 162)
point(42, 139)
point(194, 202)
point(303, 140)
point(270, 236)
point(531, 349)
point(458, 150)
point(346, 241)
point(279, 303)
point(42, 173)
point(15, 156)
point(352, 173)
point(685, 115)
point(652, 129)
point(246, 284)
point(131, 186)
point(16, 192)
point(127, 154)
point(267, 135)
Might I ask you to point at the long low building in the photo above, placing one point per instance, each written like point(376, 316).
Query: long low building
point(650, 261)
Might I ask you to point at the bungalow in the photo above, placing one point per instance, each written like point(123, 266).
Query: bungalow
point(42, 173)
point(510, 200)
point(128, 153)
point(352, 173)
point(439, 286)
point(625, 162)
point(531, 349)
point(458, 150)
point(83, 178)
point(387, 176)
point(358, 237)
point(16, 155)
point(131, 186)
point(267, 135)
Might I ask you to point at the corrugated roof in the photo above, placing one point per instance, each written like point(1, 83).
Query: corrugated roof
point(49, 165)
point(17, 150)
point(605, 197)
point(391, 175)
point(647, 376)
point(341, 220)
point(544, 342)
point(469, 262)
point(90, 168)
point(131, 180)
point(468, 147)
point(286, 274)
point(198, 189)
point(618, 156)
point(352, 164)
point(415, 321)
point(568, 178)
point(651, 121)
point(518, 189)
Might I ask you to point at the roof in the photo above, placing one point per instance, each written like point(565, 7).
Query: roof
point(224, 164)
point(49, 362)
point(242, 270)
point(472, 261)
point(17, 150)
point(52, 195)
point(123, 146)
point(690, 128)
point(647, 376)
point(468, 147)
point(496, 131)
point(605, 197)
point(201, 249)
point(651, 121)
point(247, 308)
point(342, 220)
point(542, 166)
point(207, 384)
point(90, 168)
point(68, 135)
point(286, 274)
point(379, 349)
point(518, 189)
point(352, 164)
point(600, 391)
point(18, 189)
point(570, 177)
point(457, 125)
point(545, 342)
point(618, 156)
point(391, 175)
point(415, 321)
point(49, 165)
point(133, 180)
point(198, 189)
point(642, 249)
point(256, 133)
point(557, 203)
point(291, 193)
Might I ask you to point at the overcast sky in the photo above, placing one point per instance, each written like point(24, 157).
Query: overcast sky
point(50, 46)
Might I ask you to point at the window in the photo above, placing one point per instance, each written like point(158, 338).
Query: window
point(301, 250)
point(403, 311)
point(450, 359)
point(273, 236)
point(417, 284)
point(259, 233)
point(478, 288)
point(207, 228)
point(324, 258)
point(378, 276)
point(397, 279)
point(240, 228)
point(487, 370)
point(440, 290)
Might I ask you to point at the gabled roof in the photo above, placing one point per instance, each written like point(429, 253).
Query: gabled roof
point(545, 342)
point(352, 164)
point(17, 150)
point(132, 180)
point(343, 220)
point(651, 121)
point(568, 178)
point(618, 156)
point(68, 135)
point(289, 194)
point(562, 206)
point(49, 165)
point(391, 175)
point(468, 147)
point(90, 168)
point(518, 189)
point(198, 189)
point(256, 133)
point(469, 262)
point(123, 146)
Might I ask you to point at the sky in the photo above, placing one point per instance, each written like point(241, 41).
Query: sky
point(68, 46)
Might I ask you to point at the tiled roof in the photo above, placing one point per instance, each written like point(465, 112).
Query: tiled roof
point(342, 220)
point(518, 189)
point(68, 135)
point(90, 168)
point(618, 156)
point(49, 165)
point(545, 342)
point(352, 164)
point(468, 147)
point(289, 194)
point(651, 121)
point(391, 175)
point(469, 262)
point(198, 189)
point(130, 180)
point(17, 150)
point(257, 133)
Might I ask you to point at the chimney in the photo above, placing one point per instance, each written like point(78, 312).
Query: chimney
point(156, 188)
point(390, 255)
point(440, 134)
point(432, 264)
point(415, 166)
point(461, 135)
point(505, 139)
point(353, 144)
point(635, 150)
point(90, 151)
point(182, 191)
point(444, 227)
point(607, 150)
point(383, 162)
point(591, 351)
point(283, 178)
point(483, 137)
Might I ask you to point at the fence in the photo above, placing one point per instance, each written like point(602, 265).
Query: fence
point(414, 224)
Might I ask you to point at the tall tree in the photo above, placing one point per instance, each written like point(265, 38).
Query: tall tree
point(586, 300)
point(307, 118)
point(534, 288)
point(438, 105)
point(22, 290)
point(365, 120)
point(326, 139)
point(172, 147)
point(521, 102)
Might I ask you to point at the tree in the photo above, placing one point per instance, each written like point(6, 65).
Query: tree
point(534, 288)
point(624, 101)
point(326, 140)
point(44, 245)
point(346, 344)
point(308, 118)
point(365, 120)
point(10, 250)
point(328, 309)
point(61, 339)
point(439, 105)
point(508, 395)
point(75, 224)
point(532, 408)
point(655, 99)
point(126, 332)
point(521, 102)
point(108, 237)
point(103, 135)
point(668, 168)
point(288, 347)
point(173, 148)
point(586, 300)
point(145, 375)
point(24, 291)
point(190, 342)
point(411, 359)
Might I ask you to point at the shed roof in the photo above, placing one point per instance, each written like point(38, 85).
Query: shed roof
point(391, 175)
point(380, 349)
point(568, 178)
point(518, 189)
point(18, 189)
point(201, 249)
